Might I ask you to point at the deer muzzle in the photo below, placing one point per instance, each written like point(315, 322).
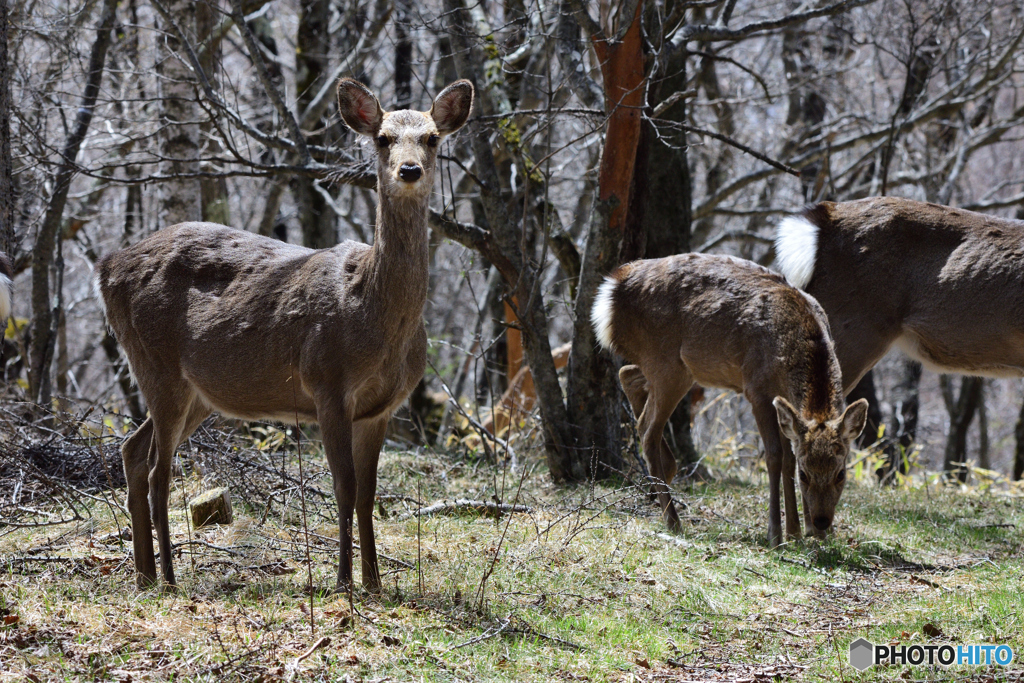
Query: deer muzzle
point(410, 173)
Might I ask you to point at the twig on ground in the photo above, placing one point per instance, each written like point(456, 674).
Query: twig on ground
point(465, 505)
point(486, 635)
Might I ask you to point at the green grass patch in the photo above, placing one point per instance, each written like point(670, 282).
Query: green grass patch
point(585, 586)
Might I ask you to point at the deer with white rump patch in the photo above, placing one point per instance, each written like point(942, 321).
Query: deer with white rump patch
point(944, 285)
point(216, 319)
point(720, 321)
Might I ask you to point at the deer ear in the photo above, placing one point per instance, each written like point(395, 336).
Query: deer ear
point(790, 423)
point(452, 107)
point(853, 420)
point(359, 107)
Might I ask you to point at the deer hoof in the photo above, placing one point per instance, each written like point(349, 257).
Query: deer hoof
point(671, 518)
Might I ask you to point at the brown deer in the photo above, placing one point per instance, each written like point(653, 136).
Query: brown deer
point(720, 321)
point(6, 291)
point(944, 285)
point(216, 319)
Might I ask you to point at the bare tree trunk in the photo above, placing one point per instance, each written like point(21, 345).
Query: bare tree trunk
point(667, 220)
point(1018, 459)
point(903, 427)
point(866, 389)
point(213, 191)
point(403, 56)
point(43, 328)
point(311, 60)
point(983, 444)
point(961, 412)
point(500, 245)
point(6, 181)
point(180, 198)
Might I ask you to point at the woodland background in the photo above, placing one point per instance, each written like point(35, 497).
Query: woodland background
point(603, 132)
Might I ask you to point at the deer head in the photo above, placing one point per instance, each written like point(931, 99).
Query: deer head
point(821, 448)
point(407, 141)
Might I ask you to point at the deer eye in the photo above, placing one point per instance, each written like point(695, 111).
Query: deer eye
point(803, 477)
point(841, 477)
point(383, 141)
point(433, 140)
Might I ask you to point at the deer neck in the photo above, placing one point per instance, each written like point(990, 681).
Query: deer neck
point(398, 269)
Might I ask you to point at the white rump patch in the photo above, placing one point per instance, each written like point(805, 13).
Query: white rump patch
point(6, 289)
point(601, 313)
point(796, 248)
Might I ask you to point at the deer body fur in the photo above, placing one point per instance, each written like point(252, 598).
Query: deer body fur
point(945, 285)
point(216, 319)
point(720, 321)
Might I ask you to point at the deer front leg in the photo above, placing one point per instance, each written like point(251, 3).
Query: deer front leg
point(368, 438)
point(768, 426)
point(789, 492)
point(135, 454)
point(336, 431)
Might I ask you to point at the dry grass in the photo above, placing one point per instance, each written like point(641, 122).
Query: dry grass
point(586, 586)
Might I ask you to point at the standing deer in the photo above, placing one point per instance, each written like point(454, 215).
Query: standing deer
point(720, 321)
point(944, 285)
point(216, 319)
point(6, 291)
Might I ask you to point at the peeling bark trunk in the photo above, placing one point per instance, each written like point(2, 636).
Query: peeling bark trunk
point(594, 399)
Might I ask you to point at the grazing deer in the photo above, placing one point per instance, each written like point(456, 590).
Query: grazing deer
point(720, 321)
point(216, 319)
point(6, 291)
point(944, 285)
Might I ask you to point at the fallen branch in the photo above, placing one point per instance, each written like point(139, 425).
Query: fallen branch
point(486, 635)
point(463, 505)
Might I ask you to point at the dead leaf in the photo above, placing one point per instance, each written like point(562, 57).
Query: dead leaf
point(11, 620)
point(932, 631)
point(644, 663)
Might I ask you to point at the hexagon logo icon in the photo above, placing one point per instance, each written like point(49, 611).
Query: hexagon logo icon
point(861, 654)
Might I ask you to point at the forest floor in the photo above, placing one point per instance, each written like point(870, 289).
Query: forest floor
point(585, 585)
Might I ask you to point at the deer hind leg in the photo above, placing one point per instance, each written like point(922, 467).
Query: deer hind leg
point(174, 420)
point(367, 440)
point(336, 431)
point(634, 385)
point(662, 398)
point(768, 425)
point(135, 454)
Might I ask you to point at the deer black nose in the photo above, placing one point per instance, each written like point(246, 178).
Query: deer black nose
point(821, 523)
point(410, 172)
